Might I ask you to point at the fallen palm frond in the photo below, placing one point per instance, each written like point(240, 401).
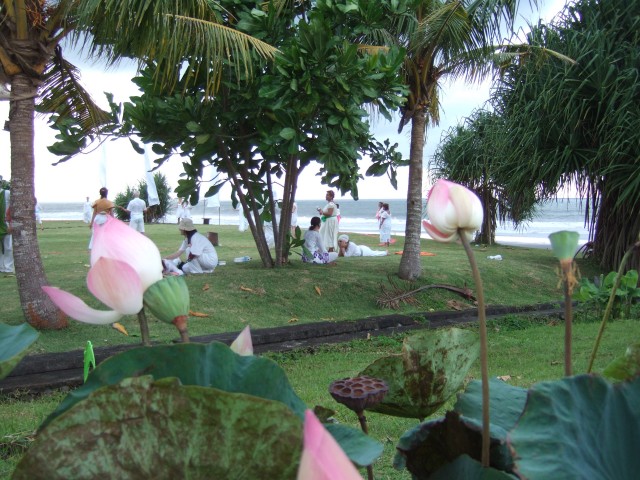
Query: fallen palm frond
point(394, 296)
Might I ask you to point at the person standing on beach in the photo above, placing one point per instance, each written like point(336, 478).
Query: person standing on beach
point(101, 208)
point(38, 212)
point(294, 218)
point(378, 211)
point(87, 210)
point(6, 240)
point(385, 225)
point(329, 228)
point(136, 209)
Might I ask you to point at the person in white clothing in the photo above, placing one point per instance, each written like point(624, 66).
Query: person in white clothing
point(38, 211)
point(87, 211)
point(201, 254)
point(6, 240)
point(313, 250)
point(329, 228)
point(350, 249)
point(385, 225)
point(136, 210)
point(294, 218)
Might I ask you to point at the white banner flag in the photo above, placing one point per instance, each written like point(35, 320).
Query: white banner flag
point(152, 190)
point(210, 173)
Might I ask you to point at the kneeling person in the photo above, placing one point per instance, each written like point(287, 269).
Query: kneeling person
point(350, 249)
point(201, 254)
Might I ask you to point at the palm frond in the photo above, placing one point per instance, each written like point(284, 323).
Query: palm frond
point(66, 97)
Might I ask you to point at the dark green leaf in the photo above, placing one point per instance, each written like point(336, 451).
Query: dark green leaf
point(14, 342)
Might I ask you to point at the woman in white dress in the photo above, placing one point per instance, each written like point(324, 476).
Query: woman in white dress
point(294, 218)
point(350, 249)
point(385, 225)
point(201, 254)
point(329, 228)
point(313, 250)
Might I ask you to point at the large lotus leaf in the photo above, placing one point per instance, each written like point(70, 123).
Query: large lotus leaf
point(14, 342)
point(142, 429)
point(579, 427)
point(626, 366)
point(506, 404)
point(210, 365)
point(361, 449)
point(429, 446)
point(469, 469)
point(430, 369)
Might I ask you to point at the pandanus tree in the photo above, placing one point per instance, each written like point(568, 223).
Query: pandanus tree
point(445, 41)
point(32, 65)
point(579, 124)
point(467, 155)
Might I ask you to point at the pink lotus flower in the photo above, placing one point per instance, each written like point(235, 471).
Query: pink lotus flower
point(124, 263)
point(322, 457)
point(450, 208)
point(243, 345)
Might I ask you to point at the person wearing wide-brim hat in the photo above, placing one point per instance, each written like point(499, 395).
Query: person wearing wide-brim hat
point(201, 254)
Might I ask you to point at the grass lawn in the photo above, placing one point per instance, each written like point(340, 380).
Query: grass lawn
point(524, 349)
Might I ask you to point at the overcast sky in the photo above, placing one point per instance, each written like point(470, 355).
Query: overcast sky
point(78, 178)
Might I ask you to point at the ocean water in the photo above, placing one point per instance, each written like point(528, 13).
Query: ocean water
point(359, 216)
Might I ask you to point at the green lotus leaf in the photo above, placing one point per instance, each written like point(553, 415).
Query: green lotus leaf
point(466, 467)
point(209, 365)
point(431, 368)
point(14, 342)
point(579, 427)
point(145, 429)
point(430, 446)
point(361, 449)
point(626, 366)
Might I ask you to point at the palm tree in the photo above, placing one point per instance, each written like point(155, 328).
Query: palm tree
point(31, 32)
point(445, 40)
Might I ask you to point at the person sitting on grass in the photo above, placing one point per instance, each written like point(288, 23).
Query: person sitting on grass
point(201, 254)
point(350, 249)
point(313, 249)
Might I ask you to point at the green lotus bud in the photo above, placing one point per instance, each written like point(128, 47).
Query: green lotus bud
point(168, 300)
point(564, 244)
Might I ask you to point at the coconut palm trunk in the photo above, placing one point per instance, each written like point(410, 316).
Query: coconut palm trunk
point(410, 265)
point(38, 309)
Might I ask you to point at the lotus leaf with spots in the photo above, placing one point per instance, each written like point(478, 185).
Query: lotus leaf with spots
point(431, 368)
point(145, 429)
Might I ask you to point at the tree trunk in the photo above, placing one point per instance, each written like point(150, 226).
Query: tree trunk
point(38, 309)
point(617, 228)
point(410, 264)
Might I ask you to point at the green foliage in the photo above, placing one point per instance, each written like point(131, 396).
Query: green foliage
point(163, 426)
point(590, 114)
point(430, 369)
point(14, 342)
point(599, 291)
point(576, 427)
point(214, 366)
point(153, 213)
point(626, 366)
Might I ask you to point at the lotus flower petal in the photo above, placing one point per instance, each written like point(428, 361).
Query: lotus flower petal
point(117, 285)
point(78, 310)
point(322, 458)
point(243, 345)
point(452, 207)
point(115, 239)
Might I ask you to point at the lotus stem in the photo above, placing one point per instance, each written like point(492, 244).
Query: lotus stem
point(568, 315)
point(144, 328)
point(365, 429)
point(484, 363)
point(607, 312)
point(181, 324)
